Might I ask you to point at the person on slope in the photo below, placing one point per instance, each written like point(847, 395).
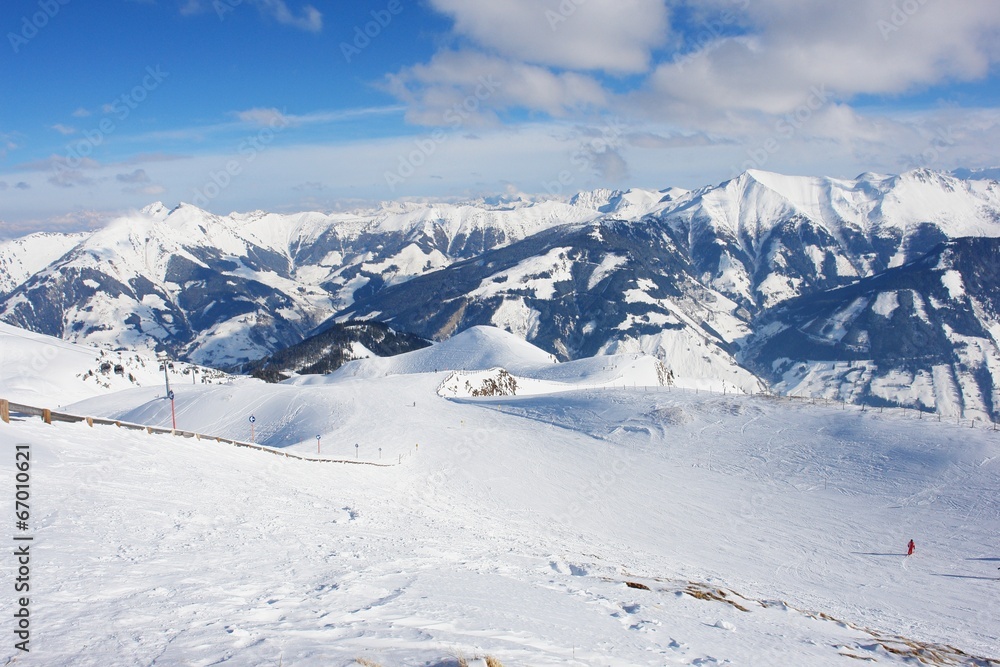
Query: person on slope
point(910, 548)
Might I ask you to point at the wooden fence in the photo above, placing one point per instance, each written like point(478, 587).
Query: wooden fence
point(49, 416)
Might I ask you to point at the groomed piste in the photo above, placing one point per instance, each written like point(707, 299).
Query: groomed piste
point(602, 518)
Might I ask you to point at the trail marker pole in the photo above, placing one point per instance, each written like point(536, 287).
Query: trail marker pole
point(317, 444)
point(380, 453)
point(252, 420)
point(173, 414)
point(356, 446)
point(164, 361)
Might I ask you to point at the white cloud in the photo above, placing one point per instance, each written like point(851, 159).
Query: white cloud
point(7, 143)
point(308, 18)
point(743, 66)
point(64, 130)
point(70, 178)
point(852, 47)
point(606, 35)
point(467, 87)
point(81, 113)
point(135, 177)
point(263, 117)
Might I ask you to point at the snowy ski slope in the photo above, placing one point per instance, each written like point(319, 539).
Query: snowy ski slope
point(765, 532)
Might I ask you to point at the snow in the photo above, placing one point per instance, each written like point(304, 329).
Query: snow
point(22, 258)
point(836, 327)
point(537, 274)
point(476, 348)
point(952, 280)
point(886, 304)
point(919, 307)
point(410, 261)
point(845, 268)
point(905, 388)
point(777, 288)
point(818, 256)
point(764, 531)
point(34, 368)
point(517, 317)
point(607, 266)
point(746, 211)
point(732, 278)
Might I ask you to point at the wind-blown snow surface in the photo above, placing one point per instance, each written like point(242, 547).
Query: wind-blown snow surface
point(37, 368)
point(510, 527)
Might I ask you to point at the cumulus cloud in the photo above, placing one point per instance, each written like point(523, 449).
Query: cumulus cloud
point(139, 182)
point(607, 35)
point(731, 73)
point(81, 113)
point(465, 87)
point(64, 130)
point(782, 49)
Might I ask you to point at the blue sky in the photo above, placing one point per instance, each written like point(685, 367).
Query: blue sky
point(286, 105)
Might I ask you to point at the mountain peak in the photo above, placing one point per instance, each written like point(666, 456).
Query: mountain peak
point(155, 210)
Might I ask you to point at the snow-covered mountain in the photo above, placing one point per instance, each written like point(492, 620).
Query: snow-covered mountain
point(224, 290)
point(921, 335)
point(688, 277)
point(330, 349)
point(578, 290)
point(22, 258)
point(762, 238)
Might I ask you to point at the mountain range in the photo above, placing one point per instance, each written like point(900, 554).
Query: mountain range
point(877, 289)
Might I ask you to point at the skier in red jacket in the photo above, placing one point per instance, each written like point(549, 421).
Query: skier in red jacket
point(910, 547)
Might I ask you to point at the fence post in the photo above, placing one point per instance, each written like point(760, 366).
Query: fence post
point(5, 410)
point(47, 415)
